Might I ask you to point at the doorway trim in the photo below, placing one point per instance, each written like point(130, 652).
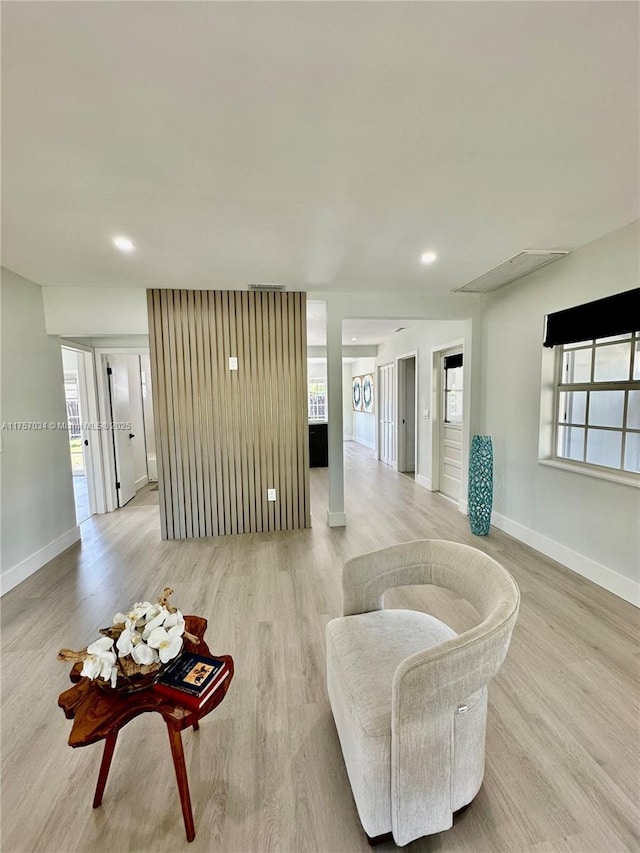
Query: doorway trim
point(401, 366)
point(436, 412)
point(89, 406)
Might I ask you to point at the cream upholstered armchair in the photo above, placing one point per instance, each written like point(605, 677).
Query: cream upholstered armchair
point(408, 694)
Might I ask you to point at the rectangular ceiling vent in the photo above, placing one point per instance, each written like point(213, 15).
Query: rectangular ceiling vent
point(267, 288)
point(521, 264)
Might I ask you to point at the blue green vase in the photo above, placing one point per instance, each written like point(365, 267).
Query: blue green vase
point(480, 484)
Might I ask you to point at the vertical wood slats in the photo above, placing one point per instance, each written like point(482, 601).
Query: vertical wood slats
point(224, 437)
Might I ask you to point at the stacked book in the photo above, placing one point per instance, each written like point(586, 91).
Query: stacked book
point(191, 680)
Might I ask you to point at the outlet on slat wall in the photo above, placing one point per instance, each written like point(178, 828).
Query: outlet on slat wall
point(226, 436)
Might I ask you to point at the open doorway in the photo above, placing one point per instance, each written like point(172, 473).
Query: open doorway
point(128, 447)
point(78, 387)
point(407, 413)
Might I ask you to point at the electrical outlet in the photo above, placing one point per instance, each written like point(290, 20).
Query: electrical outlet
point(233, 362)
point(271, 494)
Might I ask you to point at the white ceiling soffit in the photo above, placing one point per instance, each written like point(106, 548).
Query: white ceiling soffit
point(517, 266)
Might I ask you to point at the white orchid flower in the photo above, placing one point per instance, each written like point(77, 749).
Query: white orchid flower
point(128, 638)
point(152, 611)
point(101, 661)
point(175, 619)
point(154, 623)
point(144, 654)
point(167, 642)
point(135, 615)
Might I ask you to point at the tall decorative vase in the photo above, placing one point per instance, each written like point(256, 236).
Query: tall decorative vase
point(480, 484)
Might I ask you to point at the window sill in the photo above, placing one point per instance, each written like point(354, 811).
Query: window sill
point(626, 478)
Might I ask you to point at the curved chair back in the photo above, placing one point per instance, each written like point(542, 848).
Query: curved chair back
point(432, 686)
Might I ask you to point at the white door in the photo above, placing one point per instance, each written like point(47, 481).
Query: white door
point(118, 371)
point(451, 376)
point(386, 423)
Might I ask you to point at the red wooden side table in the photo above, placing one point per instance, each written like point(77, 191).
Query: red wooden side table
point(99, 714)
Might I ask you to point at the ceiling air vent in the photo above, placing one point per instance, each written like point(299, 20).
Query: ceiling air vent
point(267, 287)
point(517, 266)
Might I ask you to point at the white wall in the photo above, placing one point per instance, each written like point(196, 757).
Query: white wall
point(347, 408)
point(38, 513)
point(364, 423)
point(95, 311)
point(590, 525)
point(423, 337)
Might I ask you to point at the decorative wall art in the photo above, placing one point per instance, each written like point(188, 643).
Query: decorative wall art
point(362, 394)
point(356, 394)
point(367, 393)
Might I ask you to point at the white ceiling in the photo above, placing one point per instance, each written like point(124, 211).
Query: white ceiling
point(320, 145)
point(355, 332)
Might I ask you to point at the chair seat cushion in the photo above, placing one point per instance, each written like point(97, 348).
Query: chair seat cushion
point(366, 650)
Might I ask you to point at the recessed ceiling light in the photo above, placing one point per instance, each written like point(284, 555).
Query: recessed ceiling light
point(124, 244)
point(354, 339)
point(428, 257)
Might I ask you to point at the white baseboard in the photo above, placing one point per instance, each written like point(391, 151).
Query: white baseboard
point(423, 481)
point(348, 438)
point(21, 571)
point(336, 519)
point(141, 481)
point(463, 506)
point(607, 578)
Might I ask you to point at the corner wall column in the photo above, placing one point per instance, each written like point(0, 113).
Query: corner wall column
point(336, 516)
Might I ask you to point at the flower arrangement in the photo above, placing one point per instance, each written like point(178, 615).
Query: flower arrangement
point(137, 644)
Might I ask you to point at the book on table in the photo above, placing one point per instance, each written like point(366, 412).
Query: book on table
point(191, 679)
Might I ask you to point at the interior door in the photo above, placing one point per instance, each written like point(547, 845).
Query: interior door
point(118, 372)
point(386, 422)
point(451, 378)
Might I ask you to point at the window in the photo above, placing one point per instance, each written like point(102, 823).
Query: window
point(597, 402)
point(452, 407)
point(317, 400)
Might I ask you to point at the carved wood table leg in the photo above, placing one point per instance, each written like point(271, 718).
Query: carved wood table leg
point(105, 764)
point(196, 726)
point(177, 752)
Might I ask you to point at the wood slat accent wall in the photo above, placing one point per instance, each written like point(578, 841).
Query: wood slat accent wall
point(223, 437)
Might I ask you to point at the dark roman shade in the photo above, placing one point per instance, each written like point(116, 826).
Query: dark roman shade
point(451, 361)
point(613, 315)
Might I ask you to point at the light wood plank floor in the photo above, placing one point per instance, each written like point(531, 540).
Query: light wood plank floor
point(265, 769)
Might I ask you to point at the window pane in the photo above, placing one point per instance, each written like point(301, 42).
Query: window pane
point(603, 447)
point(612, 363)
point(571, 443)
point(606, 408)
point(454, 407)
point(636, 364)
point(573, 406)
point(633, 411)
point(576, 366)
point(317, 401)
point(453, 395)
point(632, 452)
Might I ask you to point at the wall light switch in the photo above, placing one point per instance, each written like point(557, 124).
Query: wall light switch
point(425, 414)
point(271, 494)
point(233, 362)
